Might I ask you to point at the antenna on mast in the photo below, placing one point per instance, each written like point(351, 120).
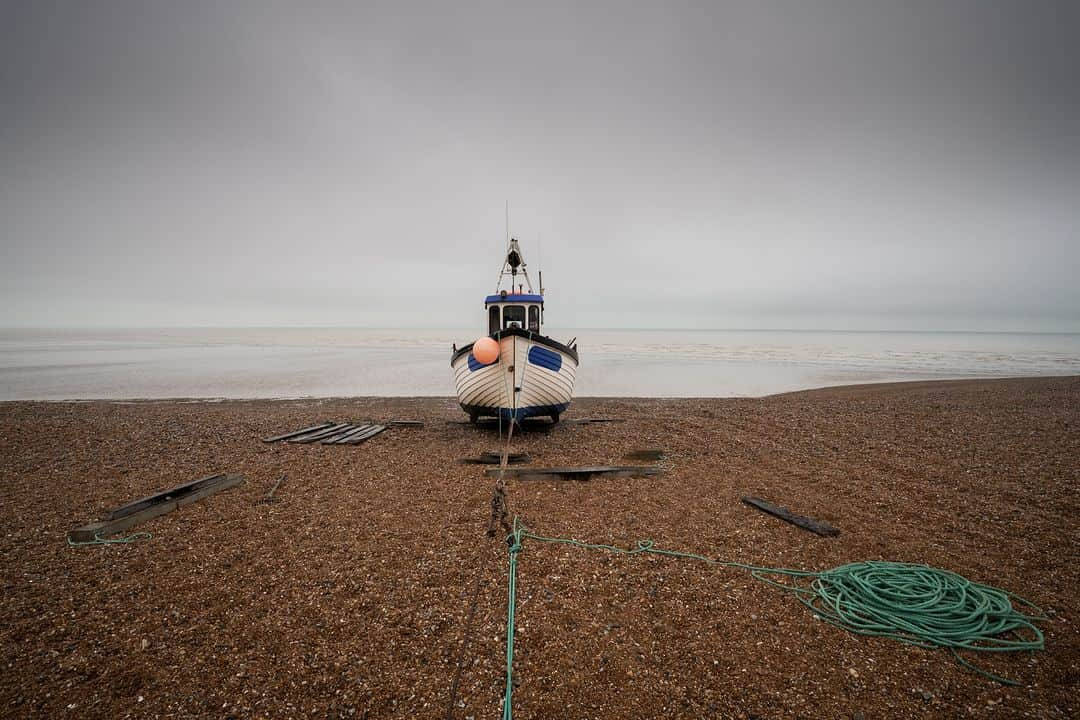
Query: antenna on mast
point(539, 263)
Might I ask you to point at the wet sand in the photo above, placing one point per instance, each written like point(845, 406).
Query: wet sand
point(349, 597)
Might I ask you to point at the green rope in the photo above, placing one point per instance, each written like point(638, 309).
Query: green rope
point(515, 550)
point(913, 603)
point(98, 540)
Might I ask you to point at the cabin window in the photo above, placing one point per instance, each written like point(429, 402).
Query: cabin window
point(514, 316)
point(493, 319)
point(534, 318)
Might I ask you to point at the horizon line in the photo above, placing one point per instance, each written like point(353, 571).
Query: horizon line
point(10, 328)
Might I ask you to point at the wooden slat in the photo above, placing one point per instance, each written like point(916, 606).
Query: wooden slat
point(297, 433)
point(338, 434)
point(806, 523)
point(351, 432)
point(86, 533)
point(320, 434)
point(366, 435)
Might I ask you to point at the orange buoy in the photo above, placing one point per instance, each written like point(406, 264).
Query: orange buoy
point(485, 350)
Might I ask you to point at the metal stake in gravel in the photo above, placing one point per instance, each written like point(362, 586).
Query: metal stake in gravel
point(915, 604)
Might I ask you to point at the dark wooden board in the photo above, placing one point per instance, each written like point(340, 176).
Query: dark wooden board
point(87, 533)
point(652, 454)
point(297, 433)
point(494, 458)
point(806, 523)
point(576, 473)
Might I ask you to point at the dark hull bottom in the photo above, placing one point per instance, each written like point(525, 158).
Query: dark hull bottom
point(515, 414)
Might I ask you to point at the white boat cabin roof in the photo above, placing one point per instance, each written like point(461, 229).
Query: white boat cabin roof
point(509, 310)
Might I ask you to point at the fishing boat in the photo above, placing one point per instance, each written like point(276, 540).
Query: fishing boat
point(515, 371)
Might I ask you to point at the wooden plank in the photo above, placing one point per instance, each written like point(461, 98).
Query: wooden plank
point(494, 458)
point(587, 421)
point(576, 473)
point(320, 434)
point(86, 533)
point(179, 490)
point(270, 495)
point(297, 433)
point(352, 432)
point(367, 435)
point(806, 523)
point(406, 423)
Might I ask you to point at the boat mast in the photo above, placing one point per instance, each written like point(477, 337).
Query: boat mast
point(514, 262)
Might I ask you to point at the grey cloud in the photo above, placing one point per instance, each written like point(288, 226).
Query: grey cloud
point(880, 165)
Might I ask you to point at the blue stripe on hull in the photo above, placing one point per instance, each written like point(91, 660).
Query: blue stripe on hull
point(518, 414)
point(475, 364)
point(542, 357)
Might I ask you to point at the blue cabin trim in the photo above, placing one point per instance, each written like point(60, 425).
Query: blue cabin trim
point(525, 297)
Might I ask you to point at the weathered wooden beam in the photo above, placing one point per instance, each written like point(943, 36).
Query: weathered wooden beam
point(576, 473)
point(92, 531)
point(806, 523)
point(406, 423)
point(173, 493)
point(320, 434)
point(297, 433)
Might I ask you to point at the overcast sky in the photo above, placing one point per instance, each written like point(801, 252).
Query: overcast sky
point(859, 165)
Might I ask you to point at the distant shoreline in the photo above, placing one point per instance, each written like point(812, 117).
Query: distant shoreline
point(846, 389)
point(305, 363)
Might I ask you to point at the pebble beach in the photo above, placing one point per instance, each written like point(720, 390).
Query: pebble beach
point(369, 589)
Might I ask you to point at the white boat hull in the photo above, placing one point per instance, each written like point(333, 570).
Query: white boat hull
point(533, 376)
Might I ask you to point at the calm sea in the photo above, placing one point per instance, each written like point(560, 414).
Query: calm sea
point(299, 362)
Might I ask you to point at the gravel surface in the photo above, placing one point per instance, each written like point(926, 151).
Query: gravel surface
point(348, 596)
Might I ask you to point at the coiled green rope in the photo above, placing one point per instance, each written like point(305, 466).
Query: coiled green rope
point(99, 540)
point(916, 604)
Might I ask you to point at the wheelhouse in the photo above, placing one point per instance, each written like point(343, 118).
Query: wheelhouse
point(514, 310)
